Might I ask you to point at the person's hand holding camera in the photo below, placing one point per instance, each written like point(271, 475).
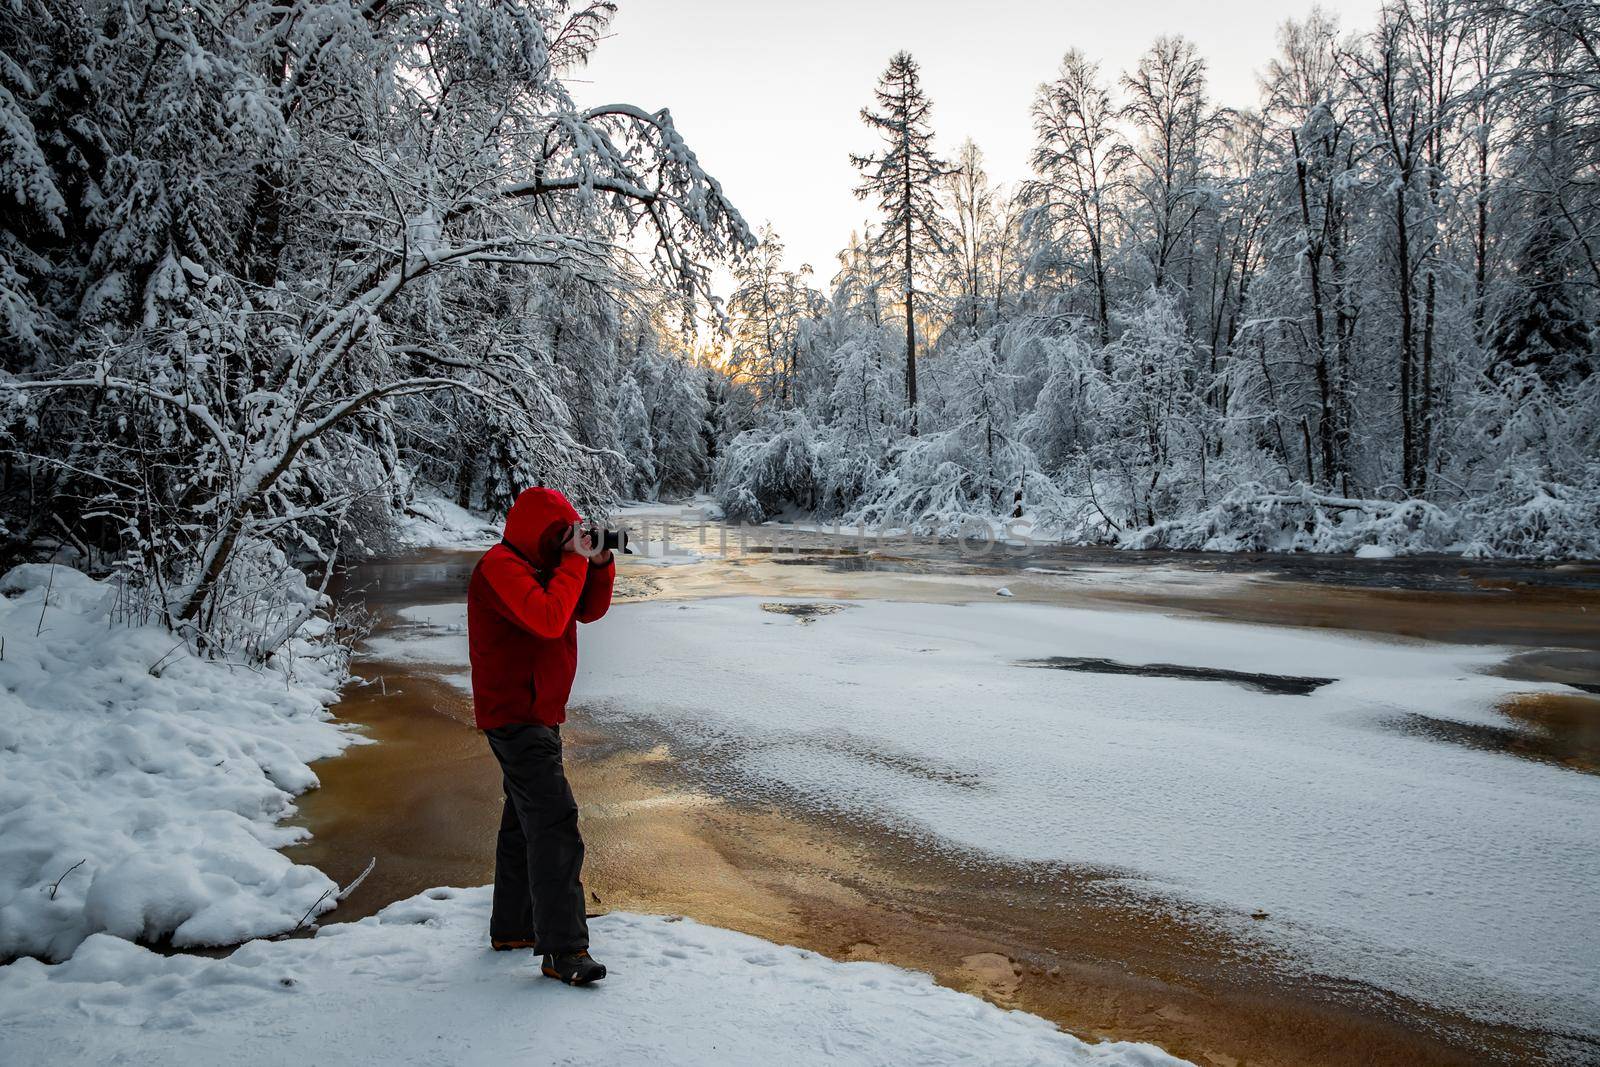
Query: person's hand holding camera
point(582, 540)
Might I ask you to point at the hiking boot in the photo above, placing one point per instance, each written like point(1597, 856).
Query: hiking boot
point(511, 944)
point(573, 968)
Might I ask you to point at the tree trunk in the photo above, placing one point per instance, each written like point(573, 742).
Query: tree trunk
point(911, 325)
point(1344, 325)
point(1103, 306)
point(466, 475)
point(1314, 249)
point(1481, 249)
point(1425, 393)
point(1408, 444)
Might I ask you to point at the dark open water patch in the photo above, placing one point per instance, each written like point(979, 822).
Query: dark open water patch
point(1577, 667)
point(1281, 684)
point(1560, 731)
point(805, 612)
point(847, 552)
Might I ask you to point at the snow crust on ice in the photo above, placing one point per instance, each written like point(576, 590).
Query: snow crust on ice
point(1461, 877)
point(417, 983)
point(431, 637)
point(659, 552)
point(166, 775)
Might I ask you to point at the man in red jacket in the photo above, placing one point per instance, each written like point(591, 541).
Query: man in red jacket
point(525, 599)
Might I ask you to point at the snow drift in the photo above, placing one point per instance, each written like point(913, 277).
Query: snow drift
point(142, 787)
point(417, 983)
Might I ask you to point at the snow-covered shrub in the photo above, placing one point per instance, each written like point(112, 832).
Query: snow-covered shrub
point(939, 484)
point(1060, 425)
point(680, 410)
point(637, 444)
point(767, 469)
point(864, 398)
point(1151, 426)
point(1257, 518)
point(1530, 517)
point(844, 472)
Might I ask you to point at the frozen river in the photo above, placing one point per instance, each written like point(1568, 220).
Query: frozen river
point(1389, 837)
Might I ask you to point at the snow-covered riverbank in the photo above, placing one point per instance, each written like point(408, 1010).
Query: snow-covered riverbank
point(142, 798)
point(418, 984)
point(143, 789)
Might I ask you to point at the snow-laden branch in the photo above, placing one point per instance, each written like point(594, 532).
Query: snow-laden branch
point(200, 413)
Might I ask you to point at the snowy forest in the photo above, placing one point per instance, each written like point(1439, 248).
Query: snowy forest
point(267, 269)
point(1361, 314)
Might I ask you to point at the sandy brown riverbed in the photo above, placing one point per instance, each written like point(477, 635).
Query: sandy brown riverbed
point(425, 801)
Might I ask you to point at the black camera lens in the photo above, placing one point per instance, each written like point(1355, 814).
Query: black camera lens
point(615, 540)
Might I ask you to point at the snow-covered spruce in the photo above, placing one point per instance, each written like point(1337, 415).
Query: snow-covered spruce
point(418, 984)
point(142, 787)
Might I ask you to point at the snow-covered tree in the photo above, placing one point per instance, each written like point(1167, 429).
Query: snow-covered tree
point(1167, 105)
point(260, 239)
point(903, 178)
point(1080, 157)
point(767, 310)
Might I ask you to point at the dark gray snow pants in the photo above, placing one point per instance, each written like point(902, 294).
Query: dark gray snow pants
point(538, 859)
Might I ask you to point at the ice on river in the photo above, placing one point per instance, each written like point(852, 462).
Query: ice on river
point(417, 983)
point(1461, 877)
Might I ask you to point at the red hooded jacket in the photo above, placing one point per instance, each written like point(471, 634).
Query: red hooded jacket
point(524, 602)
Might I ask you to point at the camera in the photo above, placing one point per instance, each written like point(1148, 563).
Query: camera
point(616, 540)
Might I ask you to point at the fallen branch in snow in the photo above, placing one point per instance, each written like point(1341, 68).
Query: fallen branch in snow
point(337, 894)
point(44, 605)
point(155, 668)
point(314, 904)
point(56, 885)
point(362, 877)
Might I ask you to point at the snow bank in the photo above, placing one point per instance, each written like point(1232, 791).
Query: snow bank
point(1254, 518)
point(431, 521)
point(1523, 518)
point(1530, 517)
point(140, 786)
point(417, 984)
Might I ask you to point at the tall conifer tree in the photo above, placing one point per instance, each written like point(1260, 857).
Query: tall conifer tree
point(903, 177)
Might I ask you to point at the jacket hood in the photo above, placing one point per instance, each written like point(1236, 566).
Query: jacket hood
point(536, 522)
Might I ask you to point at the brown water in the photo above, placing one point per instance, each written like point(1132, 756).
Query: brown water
point(663, 836)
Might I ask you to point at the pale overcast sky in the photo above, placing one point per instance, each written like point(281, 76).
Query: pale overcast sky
point(768, 94)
